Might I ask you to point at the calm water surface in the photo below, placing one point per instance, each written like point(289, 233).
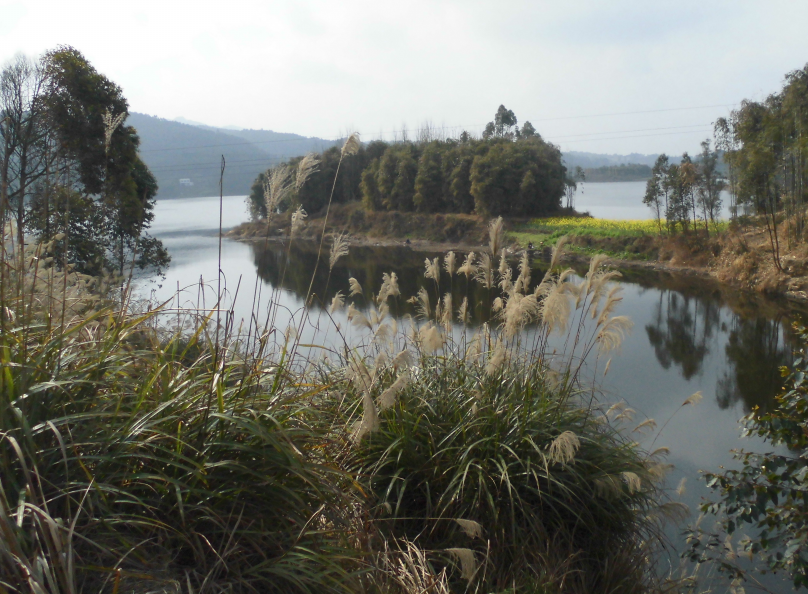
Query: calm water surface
point(621, 200)
point(688, 336)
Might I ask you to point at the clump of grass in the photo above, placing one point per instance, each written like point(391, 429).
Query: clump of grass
point(424, 457)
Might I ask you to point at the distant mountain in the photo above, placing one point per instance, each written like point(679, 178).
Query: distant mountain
point(574, 159)
point(186, 158)
point(182, 120)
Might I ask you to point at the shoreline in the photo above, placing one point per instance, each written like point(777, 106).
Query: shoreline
point(799, 297)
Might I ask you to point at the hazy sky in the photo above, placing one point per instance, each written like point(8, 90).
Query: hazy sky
point(320, 68)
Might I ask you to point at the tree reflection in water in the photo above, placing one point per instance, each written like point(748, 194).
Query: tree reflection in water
point(687, 324)
point(693, 320)
point(681, 330)
point(756, 350)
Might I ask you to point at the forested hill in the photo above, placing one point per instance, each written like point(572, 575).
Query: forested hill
point(175, 151)
point(619, 173)
point(573, 159)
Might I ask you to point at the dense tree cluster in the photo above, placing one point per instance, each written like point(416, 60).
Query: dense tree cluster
point(508, 172)
point(69, 170)
point(688, 193)
point(764, 149)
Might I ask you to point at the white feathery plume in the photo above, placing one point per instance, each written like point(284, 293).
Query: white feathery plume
point(564, 447)
point(616, 407)
point(519, 311)
point(338, 249)
point(646, 424)
point(379, 365)
point(633, 481)
point(497, 359)
point(474, 349)
point(446, 312)
point(276, 187)
point(505, 275)
point(403, 359)
point(388, 397)
point(356, 288)
point(351, 146)
point(432, 269)
point(449, 263)
point(357, 318)
point(430, 338)
point(470, 527)
point(663, 451)
point(337, 303)
point(305, 168)
point(626, 414)
point(297, 219)
point(608, 364)
point(612, 333)
point(496, 230)
point(370, 419)
point(555, 307)
point(485, 272)
point(680, 490)
point(468, 268)
point(389, 287)
point(497, 305)
point(558, 251)
point(463, 311)
point(468, 562)
point(421, 302)
point(693, 399)
point(523, 280)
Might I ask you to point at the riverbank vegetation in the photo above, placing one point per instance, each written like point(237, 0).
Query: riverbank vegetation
point(70, 173)
point(147, 448)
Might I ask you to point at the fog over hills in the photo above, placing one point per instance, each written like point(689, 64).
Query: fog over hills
point(181, 149)
point(177, 151)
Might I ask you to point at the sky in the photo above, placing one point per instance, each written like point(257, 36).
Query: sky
point(610, 77)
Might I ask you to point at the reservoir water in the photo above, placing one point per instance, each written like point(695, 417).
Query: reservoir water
point(689, 335)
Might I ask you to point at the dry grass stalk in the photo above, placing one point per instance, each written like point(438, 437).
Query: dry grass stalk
point(467, 560)
point(338, 249)
point(693, 399)
point(432, 269)
point(430, 338)
point(468, 267)
point(355, 287)
point(422, 305)
point(389, 287)
point(352, 145)
point(485, 273)
point(496, 233)
point(298, 218)
point(305, 168)
point(463, 313)
point(449, 263)
point(470, 527)
point(564, 447)
point(388, 397)
point(337, 303)
point(632, 481)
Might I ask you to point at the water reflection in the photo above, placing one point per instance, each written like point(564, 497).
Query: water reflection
point(756, 350)
point(681, 331)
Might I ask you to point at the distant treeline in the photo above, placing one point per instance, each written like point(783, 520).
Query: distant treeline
point(619, 173)
point(509, 171)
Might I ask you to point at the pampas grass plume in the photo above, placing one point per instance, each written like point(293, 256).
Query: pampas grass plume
point(338, 249)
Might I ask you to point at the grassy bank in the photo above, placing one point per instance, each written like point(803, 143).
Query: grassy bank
point(139, 452)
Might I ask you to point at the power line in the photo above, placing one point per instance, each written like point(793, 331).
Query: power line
point(461, 126)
